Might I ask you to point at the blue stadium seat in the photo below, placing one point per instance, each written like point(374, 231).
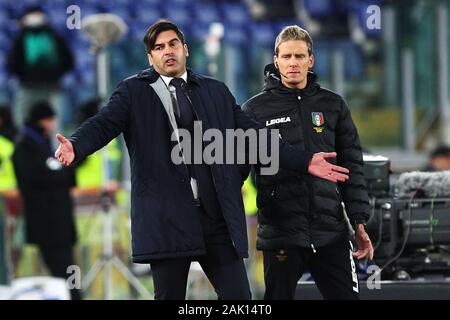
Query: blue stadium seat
point(179, 3)
point(319, 8)
point(353, 57)
point(182, 17)
point(84, 59)
point(235, 35)
point(262, 33)
point(87, 76)
point(120, 8)
point(5, 43)
point(235, 14)
point(322, 51)
point(3, 76)
point(137, 28)
point(344, 6)
point(69, 81)
point(148, 15)
point(124, 13)
point(154, 3)
point(11, 28)
point(199, 30)
point(4, 19)
point(15, 9)
point(206, 13)
point(58, 18)
point(280, 25)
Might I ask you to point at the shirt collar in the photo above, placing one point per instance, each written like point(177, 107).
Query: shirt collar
point(168, 79)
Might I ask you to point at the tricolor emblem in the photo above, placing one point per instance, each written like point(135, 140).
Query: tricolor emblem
point(317, 118)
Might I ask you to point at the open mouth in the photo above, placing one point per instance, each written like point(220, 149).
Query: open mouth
point(171, 62)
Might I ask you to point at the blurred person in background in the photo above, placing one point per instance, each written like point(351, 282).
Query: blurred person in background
point(39, 58)
point(181, 212)
point(8, 133)
point(439, 159)
point(8, 128)
point(301, 219)
point(9, 195)
point(45, 188)
point(89, 172)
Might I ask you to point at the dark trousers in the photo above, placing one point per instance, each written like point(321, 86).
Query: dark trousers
point(229, 279)
point(332, 268)
point(57, 259)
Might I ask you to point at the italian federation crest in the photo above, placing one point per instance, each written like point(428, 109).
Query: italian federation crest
point(318, 121)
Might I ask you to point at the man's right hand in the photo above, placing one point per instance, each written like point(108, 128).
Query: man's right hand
point(64, 153)
point(321, 168)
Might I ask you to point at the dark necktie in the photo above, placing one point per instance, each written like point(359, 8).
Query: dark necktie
point(186, 116)
point(201, 172)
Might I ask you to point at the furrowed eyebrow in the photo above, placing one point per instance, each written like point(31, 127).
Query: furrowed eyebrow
point(174, 40)
point(170, 41)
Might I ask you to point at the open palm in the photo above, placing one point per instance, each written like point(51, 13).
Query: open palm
point(65, 153)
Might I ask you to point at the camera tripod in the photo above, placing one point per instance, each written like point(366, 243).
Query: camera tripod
point(108, 259)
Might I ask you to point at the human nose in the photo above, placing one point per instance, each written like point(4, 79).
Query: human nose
point(293, 63)
point(168, 51)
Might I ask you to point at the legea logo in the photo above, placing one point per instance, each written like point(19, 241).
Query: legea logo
point(277, 121)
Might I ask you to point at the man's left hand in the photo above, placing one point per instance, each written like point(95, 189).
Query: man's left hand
point(363, 243)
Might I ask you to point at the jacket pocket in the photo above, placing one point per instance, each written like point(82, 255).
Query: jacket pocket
point(266, 196)
point(327, 198)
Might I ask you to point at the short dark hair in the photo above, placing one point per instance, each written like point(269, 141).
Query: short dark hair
point(441, 151)
point(39, 111)
point(155, 29)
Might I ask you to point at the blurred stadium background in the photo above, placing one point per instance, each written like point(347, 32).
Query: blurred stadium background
point(395, 79)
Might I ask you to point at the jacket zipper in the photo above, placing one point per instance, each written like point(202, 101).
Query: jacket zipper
point(308, 180)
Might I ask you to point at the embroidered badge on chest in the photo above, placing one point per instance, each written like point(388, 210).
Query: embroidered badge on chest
point(318, 121)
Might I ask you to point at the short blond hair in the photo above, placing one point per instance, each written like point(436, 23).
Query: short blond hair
point(293, 33)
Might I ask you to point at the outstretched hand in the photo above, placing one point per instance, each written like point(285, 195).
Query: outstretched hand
point(321, 168)
point(65, 153)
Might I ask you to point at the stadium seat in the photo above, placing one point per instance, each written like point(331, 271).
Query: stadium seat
point(322, 58)
point(182, 17)
point(148, 15)
point(319, 8)
point(199, 30)
point(5, 44)
point(262, 33)
point(235, 14)
point(353, 57)
point(235, 35)
point(205, 13)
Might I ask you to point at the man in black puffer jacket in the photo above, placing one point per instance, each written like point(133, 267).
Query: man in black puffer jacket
point(301, 218)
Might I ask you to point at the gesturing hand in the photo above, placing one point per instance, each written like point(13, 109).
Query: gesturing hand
point(363, 243)
point(64, 153)
point(321, 168)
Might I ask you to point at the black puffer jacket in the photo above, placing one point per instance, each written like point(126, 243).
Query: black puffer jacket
point(299, 209)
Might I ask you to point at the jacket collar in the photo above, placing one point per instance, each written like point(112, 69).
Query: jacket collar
point(151, 75)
